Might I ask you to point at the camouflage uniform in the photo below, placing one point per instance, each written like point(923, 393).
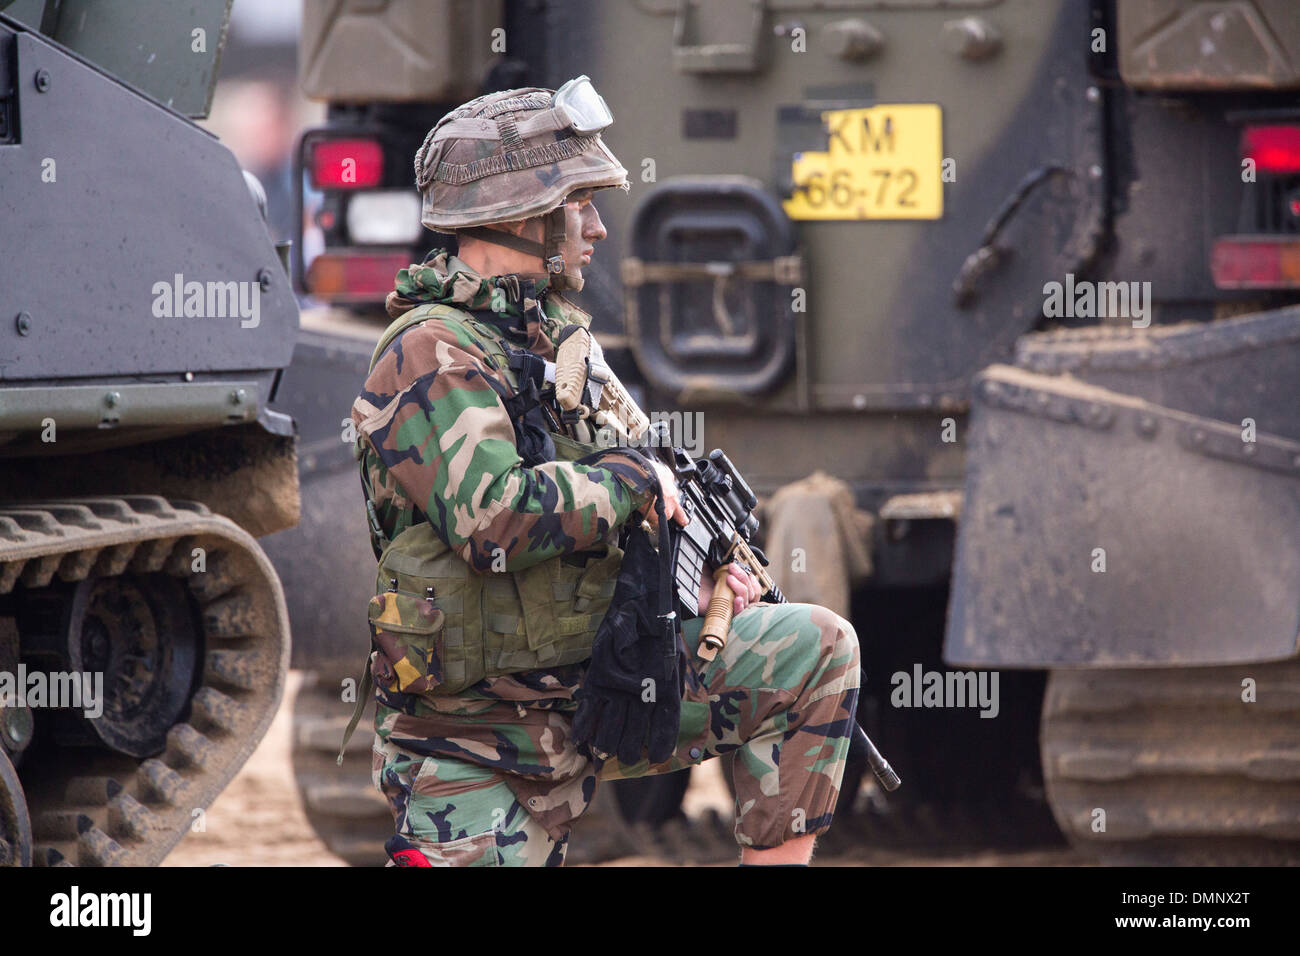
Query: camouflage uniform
point(488, 776)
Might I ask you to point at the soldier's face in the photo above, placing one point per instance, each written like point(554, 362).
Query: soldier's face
point(582, 230)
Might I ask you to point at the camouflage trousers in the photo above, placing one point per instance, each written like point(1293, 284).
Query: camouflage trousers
point(782, 694)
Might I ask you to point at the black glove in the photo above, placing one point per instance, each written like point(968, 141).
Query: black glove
point(636, 641)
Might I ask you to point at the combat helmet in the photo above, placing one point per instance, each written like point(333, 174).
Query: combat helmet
point(512, 155)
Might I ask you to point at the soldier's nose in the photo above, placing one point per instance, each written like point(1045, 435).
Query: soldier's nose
point(592, 228)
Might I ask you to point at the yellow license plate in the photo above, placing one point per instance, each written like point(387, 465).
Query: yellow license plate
point(881, 162)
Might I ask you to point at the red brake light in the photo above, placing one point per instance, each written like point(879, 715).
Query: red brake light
point(346, 163)
point(1275, 149)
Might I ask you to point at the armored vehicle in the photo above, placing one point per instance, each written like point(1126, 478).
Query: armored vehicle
point(146, 318)
point(968, 290)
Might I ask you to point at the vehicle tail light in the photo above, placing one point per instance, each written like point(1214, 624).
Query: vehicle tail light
point(351, 275)
point(1275, 149)
point(346, 164)
point(1256, 262)
point(384, 217)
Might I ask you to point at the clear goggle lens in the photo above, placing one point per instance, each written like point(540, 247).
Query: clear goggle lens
point(584, 107)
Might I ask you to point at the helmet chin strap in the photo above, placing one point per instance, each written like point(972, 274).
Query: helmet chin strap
point(550, 250)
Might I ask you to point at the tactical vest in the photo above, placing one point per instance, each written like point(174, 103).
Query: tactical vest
point(472, 625)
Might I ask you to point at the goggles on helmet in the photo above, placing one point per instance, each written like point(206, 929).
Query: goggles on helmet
point(584, 107)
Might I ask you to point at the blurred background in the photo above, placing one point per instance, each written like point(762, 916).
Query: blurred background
point(258, 108)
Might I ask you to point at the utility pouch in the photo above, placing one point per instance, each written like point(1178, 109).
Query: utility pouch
point(407, 632)
point(554, 607)
point(422, 632)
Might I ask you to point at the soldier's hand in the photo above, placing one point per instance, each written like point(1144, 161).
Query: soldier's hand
point(672, 498)
point(743, 585)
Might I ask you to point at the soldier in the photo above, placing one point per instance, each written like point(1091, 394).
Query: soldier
point(499, 533)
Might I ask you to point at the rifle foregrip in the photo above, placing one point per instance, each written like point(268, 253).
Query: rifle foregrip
point(717, 619)
point(571, 369)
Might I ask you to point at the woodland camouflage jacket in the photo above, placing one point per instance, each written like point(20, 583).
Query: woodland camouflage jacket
point(438, 445)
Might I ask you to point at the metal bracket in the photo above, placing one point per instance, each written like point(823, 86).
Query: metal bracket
point(694, 51)
point(783, 270)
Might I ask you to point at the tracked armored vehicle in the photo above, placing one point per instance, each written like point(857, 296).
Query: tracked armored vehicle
point(145, 318)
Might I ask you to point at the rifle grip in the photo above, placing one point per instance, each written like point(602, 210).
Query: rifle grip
point(717, 619)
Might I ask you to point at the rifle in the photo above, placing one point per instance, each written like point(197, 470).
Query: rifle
point(718, 503)
point(720, 522)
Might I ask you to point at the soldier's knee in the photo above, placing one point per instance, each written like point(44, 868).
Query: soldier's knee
point(841, 635)
point(839, 640)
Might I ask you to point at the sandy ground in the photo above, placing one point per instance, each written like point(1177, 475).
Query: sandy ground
point(259, 821)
